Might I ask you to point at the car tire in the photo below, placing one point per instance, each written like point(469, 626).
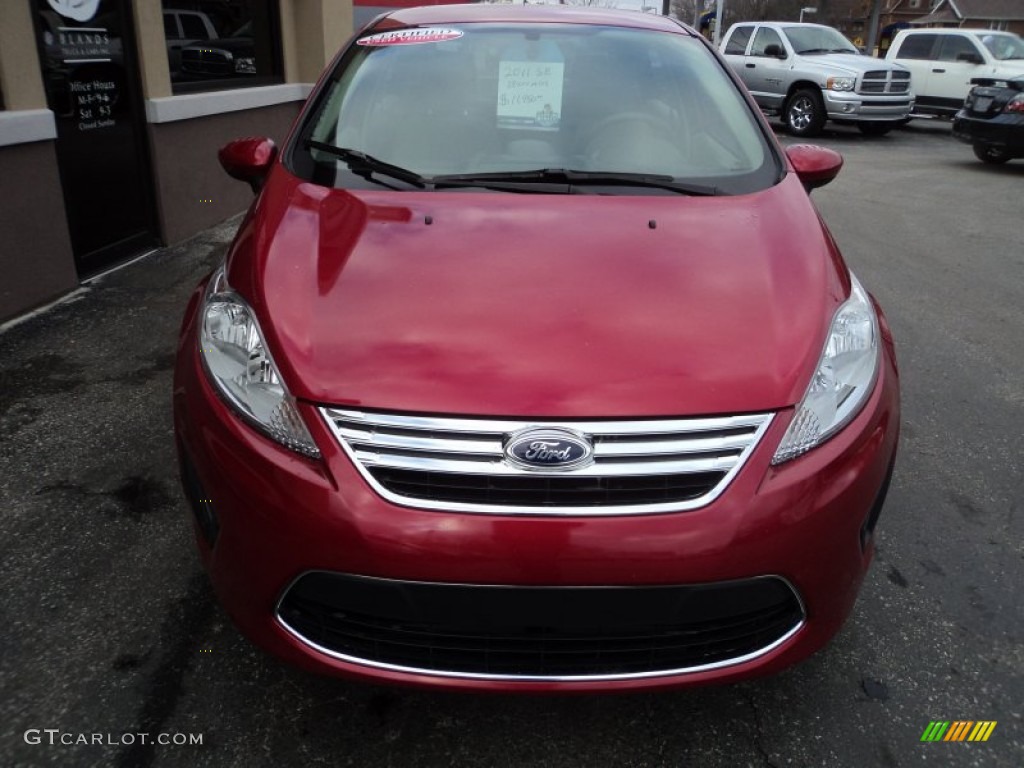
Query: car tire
point(990, 155)
point(805, 113)
point(874, 128)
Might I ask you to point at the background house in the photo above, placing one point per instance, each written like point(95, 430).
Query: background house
point(895, 15)
point(977, 14)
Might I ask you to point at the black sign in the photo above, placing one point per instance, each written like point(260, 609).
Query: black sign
point(87, 49)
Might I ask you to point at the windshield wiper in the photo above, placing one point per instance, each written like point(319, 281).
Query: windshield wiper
point(364, 165)
point(539, 180)
point(576, 179)
point(814, 50)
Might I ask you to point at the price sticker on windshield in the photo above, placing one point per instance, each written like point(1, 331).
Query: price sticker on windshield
point(530, 94)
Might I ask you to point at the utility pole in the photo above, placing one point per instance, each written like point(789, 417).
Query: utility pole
point(876, 10)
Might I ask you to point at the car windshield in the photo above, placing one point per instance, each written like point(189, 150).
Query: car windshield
point(503, 99)
point(818, 40)
point(1004, 47)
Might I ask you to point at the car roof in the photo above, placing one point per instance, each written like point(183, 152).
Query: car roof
point(525, 14)
point(787, 24)
point(956, 30)
point(983, 32)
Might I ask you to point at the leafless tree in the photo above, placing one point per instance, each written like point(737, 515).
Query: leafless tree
point(689, 11)
point(764, 10)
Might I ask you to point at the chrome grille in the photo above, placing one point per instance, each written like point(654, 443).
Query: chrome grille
point(884, 81)
point(639, 466)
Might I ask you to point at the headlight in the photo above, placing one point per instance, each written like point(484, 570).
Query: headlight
point(245, 65)
point(843, 380)
point(841, 83)
point(239, 364)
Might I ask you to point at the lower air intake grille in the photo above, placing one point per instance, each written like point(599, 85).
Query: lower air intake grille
point(540, 632)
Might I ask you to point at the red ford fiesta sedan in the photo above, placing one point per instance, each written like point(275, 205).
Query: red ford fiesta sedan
point(532, 367)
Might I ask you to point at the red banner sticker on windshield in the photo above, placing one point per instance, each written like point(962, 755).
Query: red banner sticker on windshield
point(411, 36)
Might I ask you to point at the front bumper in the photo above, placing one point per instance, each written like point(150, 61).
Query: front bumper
point(279, 517)
point(1004, 131)
point(847, 105)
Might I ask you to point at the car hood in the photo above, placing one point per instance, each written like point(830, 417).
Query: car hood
point(851, 62)
point(1012, 68)
point(540, 305)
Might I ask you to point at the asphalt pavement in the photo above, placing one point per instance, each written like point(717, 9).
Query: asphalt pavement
point(108, 629)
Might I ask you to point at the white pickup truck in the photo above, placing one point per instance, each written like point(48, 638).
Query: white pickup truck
point(810, 73)
point(943, 63)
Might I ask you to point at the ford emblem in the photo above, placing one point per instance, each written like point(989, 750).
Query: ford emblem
point(551, 448)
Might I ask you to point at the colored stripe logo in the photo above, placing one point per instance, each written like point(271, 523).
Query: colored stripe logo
point(958, 730)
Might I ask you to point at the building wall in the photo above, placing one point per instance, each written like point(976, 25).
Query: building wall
point(184, 132)
point(35, 248)
point(192, 190)
point(1009, 26)
point(19, 71)
point(312, 31)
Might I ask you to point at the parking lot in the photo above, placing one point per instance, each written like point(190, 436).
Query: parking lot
point(109, 626)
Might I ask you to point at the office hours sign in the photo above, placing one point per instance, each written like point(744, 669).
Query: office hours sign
point(91, 74)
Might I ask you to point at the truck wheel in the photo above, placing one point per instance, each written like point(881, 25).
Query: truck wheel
point(805, 113)
point(990, 155)
point(874, 128)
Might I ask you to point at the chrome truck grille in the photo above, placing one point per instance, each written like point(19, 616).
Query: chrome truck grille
point(885, 81)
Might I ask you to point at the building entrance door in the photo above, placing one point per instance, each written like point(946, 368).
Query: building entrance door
point(88, 55)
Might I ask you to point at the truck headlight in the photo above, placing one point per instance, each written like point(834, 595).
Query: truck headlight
point(843, 380)
point(238, 363)
point(841, 83)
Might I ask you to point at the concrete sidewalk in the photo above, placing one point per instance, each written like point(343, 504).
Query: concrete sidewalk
point(104, 598)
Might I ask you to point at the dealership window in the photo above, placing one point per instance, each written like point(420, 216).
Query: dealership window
point(220, 44)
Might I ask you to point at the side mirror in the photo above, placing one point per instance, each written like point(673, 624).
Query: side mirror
point(775, 50)
point(969, 57)
point(815, 166)
point(248, 160)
